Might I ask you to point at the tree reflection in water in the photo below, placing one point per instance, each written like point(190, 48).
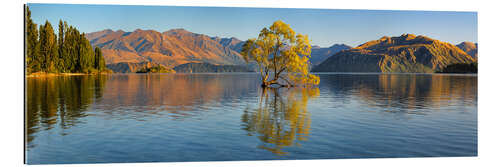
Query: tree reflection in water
point(281, 119)
point(59, 101)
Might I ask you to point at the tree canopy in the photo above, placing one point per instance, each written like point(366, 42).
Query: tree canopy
point(282, 56)
point(32, 44)
point(67, 51)
point(460, 68)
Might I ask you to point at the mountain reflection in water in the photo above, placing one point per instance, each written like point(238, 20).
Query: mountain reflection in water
point(207, 117)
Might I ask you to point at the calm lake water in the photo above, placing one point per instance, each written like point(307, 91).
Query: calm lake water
point(220, 117)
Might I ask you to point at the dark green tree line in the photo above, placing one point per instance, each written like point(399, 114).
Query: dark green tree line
point(32, 44)
point(68, 51)
point(100, 64)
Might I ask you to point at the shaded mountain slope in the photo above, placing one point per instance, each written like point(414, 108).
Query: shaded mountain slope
point(209, 68)
point(406, 53)
point(469, 47)
point(130, 67)
point(319, 54)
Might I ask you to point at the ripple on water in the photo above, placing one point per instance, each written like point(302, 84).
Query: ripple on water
point(151, 118)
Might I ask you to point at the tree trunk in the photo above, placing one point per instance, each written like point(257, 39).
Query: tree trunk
point(266, 84)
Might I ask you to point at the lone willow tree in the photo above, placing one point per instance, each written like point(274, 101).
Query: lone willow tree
point(282, 56)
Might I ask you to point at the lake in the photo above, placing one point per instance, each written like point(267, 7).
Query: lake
point(224, 117)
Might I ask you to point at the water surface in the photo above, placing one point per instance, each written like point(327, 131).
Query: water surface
point(218, 117)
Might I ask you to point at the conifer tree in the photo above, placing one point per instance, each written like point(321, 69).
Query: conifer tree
point(32, 46)
point(48, 48)
point(67, 51)
point(99, 59)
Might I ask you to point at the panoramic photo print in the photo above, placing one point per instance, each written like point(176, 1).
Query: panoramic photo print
point(126, 84)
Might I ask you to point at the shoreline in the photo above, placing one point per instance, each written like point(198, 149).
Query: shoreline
point(38, 74)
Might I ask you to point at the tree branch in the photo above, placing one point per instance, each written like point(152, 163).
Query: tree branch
point(289, 83)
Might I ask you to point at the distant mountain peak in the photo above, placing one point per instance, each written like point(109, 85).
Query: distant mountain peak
point(409, 36)
point(469, 47)
point(141, 30)
point(405, 53)
point(339, 45)
point(179, 31)
point(469, 44)
point(170, 48)
point(319, 54)
point(317, 46)
point(106, 30)
point(404, 39)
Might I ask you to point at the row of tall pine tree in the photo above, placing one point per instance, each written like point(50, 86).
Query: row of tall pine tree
point(67, 52)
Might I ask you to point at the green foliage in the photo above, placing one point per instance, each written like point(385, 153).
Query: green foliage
point(100, 63)
point(156, 69)
point(281, 53)
point(43, 100)
point(209, 68)
point(67, 51)
point(32, 44)
point(460, 68)
point(48, 48)
point(86, 58)
point(62, 64)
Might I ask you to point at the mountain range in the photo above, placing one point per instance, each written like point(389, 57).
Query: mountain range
point(170, 48)
point(319, 54)
point(469, 47)
point(176, 47)
point(405, 53)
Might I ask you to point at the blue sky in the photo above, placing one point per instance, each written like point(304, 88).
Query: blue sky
point(325, 27)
